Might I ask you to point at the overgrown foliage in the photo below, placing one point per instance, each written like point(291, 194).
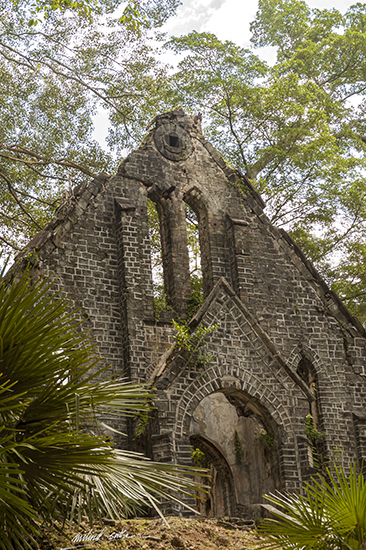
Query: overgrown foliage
point(56, 462)
point(191, 343)
point(54, 77)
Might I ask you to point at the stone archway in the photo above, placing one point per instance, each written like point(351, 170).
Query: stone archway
point(269, 422)
point(241, 445)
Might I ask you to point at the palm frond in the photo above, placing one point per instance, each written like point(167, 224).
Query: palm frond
point(55, 460)
point(330, 515)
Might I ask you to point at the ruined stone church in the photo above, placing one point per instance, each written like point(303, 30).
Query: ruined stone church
point(285, 346)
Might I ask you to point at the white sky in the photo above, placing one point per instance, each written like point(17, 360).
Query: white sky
point(228, 19)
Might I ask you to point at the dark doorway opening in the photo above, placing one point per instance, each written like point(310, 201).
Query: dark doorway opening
point(220, 500)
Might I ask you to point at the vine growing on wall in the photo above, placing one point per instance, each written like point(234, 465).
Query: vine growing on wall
point(191, 343)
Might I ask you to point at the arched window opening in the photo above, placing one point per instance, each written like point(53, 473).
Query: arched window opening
point(169, 255)
point(312, 421)
point(202, 234)
point(175, 235)
point(195, 269)
point(160, 299)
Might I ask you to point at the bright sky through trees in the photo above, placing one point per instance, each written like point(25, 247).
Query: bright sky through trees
point(227, 19)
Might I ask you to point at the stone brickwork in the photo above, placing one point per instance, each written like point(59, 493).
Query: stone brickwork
point(285, 345)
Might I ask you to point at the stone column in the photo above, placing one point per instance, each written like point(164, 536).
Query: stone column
point(175, 252)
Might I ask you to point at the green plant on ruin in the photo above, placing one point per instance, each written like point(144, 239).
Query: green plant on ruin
point(238, 448)
point(31, 257)
point(199, 458)
point(196, 298)
point(268, 438)
point(315, 437)
point(312, 433)
point(160, 302)
point(191, 343)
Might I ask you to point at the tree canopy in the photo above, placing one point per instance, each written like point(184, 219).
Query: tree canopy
point(135, 13)
point(53, 78)
point(296, 128)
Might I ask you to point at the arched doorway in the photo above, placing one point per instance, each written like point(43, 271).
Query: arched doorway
point(219, 501)
point(241, 446)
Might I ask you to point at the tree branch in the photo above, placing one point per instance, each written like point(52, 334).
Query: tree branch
point(9, 244)
point(13, 194)
point(43, 160)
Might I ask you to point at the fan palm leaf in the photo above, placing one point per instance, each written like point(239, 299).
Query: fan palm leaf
point(56, 463)
point(330, 515)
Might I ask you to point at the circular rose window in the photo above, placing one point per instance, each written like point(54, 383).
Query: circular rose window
point(173, 142)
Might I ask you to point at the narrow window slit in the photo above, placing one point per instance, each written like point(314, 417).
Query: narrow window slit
point(195, 270)
point(312, 422)
point(156, 257)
